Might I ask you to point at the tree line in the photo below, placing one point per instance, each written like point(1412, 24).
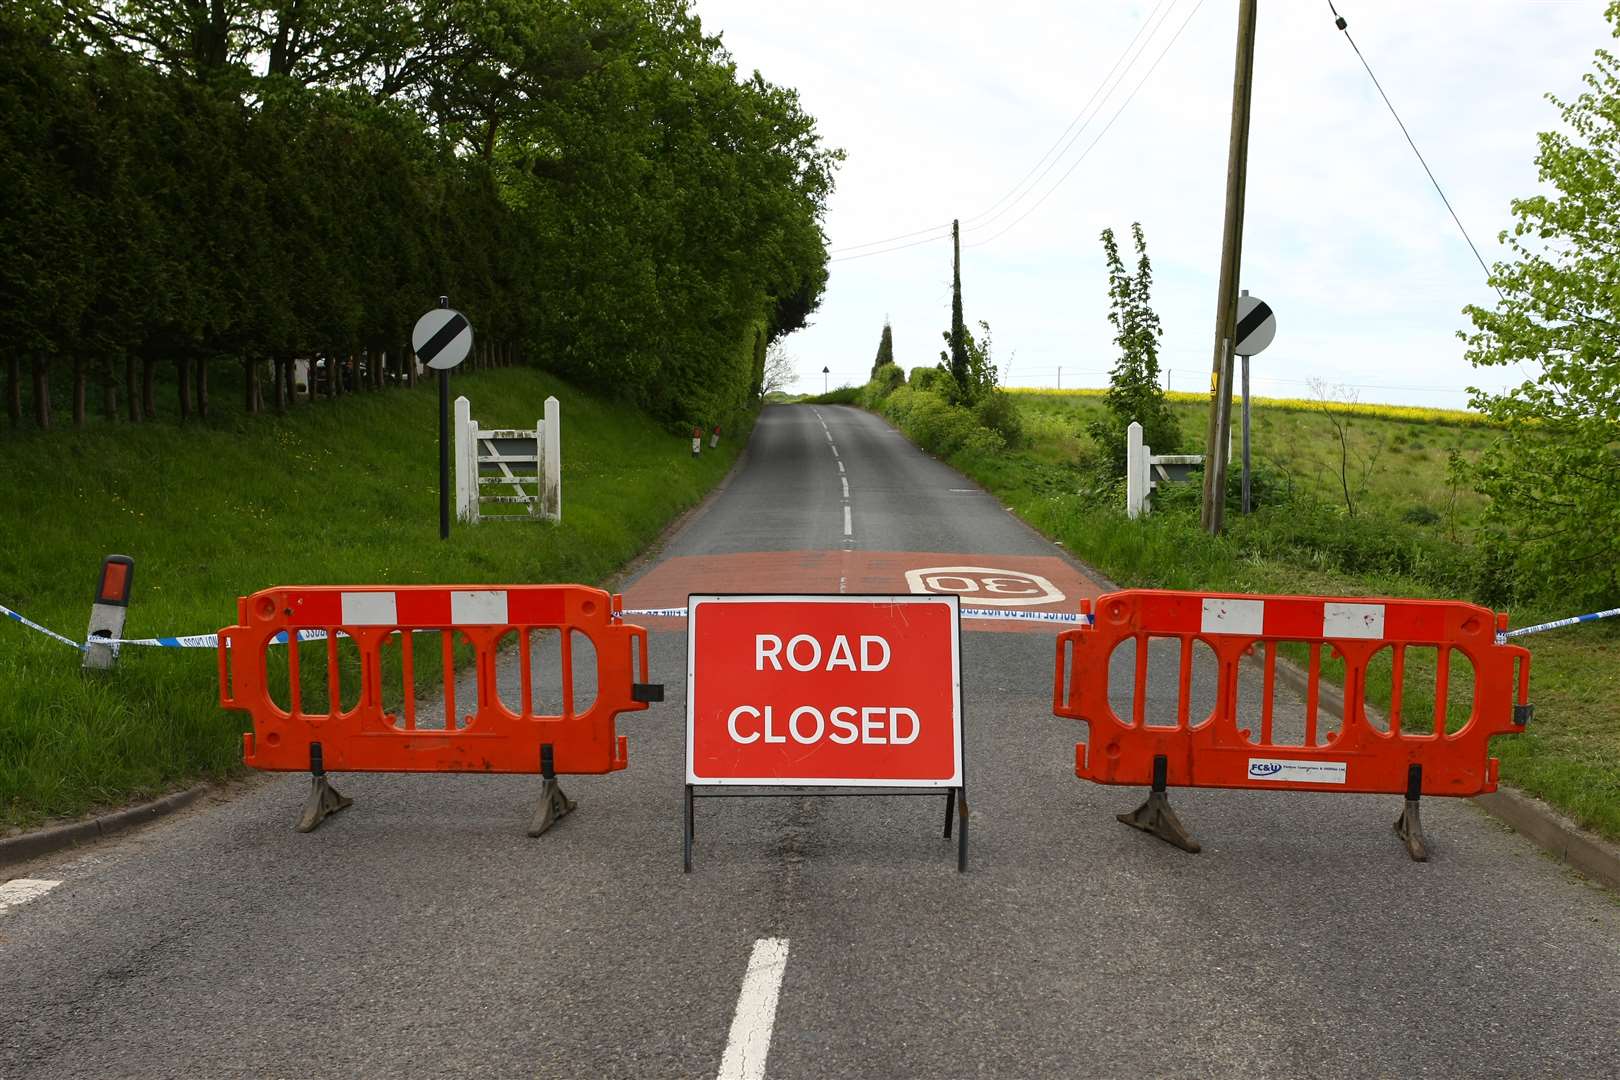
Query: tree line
point(254, 182)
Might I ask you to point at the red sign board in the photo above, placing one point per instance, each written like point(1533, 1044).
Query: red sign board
point(824, 691)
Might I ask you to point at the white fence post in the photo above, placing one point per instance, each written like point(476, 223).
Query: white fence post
point(551, 484)
point(1136, 472)
point(466, 463)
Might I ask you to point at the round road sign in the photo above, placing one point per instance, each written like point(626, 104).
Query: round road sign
point(1256, 325)
point(442, 338)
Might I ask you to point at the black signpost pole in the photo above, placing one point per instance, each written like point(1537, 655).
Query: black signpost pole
point(444, 444)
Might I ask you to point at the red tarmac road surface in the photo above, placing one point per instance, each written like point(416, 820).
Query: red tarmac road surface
point(668, 584)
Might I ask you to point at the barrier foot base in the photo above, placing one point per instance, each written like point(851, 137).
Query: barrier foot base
point(1157, 817)
point(323, 802)
point(554, 806)
point(1409, 827)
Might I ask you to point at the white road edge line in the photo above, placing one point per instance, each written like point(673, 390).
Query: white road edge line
point(848, 531)
point(18, 891)
point(750, 1040)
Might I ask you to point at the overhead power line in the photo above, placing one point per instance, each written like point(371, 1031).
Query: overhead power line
point(1098, 96)
point(898, 247)
point(1092, 145)
point(1018, 192)
point(1343, 25)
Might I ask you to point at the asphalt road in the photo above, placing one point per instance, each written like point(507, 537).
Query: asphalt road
point(421, 933)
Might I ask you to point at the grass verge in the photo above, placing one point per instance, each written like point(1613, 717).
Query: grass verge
point(346, 492)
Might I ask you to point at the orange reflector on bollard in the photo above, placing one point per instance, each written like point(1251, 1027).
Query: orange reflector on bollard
point(1214, 726)
point(361, 723)
point(117, 574)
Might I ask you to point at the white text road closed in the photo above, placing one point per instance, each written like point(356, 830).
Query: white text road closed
point(985, 585)
point(824, 690)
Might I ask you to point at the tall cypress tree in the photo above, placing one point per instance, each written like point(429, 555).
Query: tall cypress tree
point(885, 353)
point(959, 355)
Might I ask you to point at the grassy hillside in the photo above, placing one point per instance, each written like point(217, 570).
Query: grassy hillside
point(343, 493)
point(1411, 534)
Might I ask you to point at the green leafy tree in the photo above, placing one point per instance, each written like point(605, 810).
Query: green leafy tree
point(1134, 393)
point(885, 353)
point(250, 182)
point(1554, 475)
point(979, 376)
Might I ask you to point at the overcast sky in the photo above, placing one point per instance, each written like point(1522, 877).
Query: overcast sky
point(943, 107)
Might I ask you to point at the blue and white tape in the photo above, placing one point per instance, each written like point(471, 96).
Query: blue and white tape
point(967, 613)
point(189, 641)
point(1556, 624)
point(32, 625)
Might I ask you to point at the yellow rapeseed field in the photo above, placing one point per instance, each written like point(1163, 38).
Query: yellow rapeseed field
point(1387, 412)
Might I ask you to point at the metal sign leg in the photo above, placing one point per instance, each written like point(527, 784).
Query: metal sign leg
point(961, 833)
point(686, 867)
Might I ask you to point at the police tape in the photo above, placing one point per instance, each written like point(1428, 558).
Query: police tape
point(188, 641)
point(1556, 624)
point(967, 613)
point(32, 625)
point(211, 641)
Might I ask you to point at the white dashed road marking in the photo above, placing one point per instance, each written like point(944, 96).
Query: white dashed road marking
point(848, 530)
point(845, 481)
point(18, 891)
point(750, 1040)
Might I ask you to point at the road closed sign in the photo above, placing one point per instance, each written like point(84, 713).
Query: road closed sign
point(859, 691)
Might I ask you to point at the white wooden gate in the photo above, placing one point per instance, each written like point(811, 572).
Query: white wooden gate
point(1145, 470)
point(508, 467)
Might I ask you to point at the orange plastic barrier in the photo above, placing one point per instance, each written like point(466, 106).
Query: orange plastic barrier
point(482, 735)
point(1242, 741)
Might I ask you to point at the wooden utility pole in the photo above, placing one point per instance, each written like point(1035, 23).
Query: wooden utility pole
point(1237, 163)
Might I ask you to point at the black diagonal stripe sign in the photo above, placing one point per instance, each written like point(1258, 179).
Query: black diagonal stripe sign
point(442, 338)
point(447, 333)
point(1257, 325)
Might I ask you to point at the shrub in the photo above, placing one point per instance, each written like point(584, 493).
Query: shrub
point(937, 426)
point(841, 395)
point(885, 380)
point(925, 378)
point(997, 412)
